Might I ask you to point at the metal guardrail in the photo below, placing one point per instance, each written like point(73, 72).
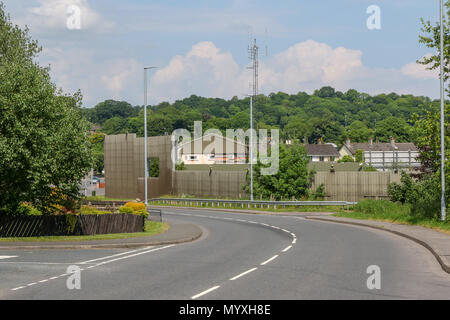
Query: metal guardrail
point(248, 203)
point(154, 214)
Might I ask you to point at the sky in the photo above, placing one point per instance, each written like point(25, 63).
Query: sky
point(200, 46)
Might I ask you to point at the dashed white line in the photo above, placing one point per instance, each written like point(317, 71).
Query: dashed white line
point(286, 249)
point(205, 292)
point(267, 261)
point(294, 241)
point(243, 274)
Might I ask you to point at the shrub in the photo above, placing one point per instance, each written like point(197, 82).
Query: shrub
point(91, 210)
point(424, 195)
point(125, 209)
point(319, 194)
point(135, 206)
point(346, 158)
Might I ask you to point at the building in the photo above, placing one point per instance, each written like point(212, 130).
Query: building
point(322, 152)
point(212, 149)
point(384, 156)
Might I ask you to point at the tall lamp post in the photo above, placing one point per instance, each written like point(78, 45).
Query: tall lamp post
point(145, 135)
point(442, 113)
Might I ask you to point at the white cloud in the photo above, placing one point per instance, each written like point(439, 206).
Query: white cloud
point(204, 70)
point(97, 79)
point(208, 71)
point(309, 65)
point(51, 16)
point(419, 71)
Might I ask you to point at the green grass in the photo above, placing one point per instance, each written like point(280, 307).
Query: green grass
point(151, 229)
point(265, 209)
point(103, 198)
point(387, 211)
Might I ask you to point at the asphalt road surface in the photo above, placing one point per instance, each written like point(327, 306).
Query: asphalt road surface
point(239, 256)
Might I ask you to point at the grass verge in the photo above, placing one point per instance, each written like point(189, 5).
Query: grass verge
point(265, 209)
point(386, 211)
point(152, 228)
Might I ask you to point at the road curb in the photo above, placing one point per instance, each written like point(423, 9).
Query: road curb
point(198, 233)
point(443, 265)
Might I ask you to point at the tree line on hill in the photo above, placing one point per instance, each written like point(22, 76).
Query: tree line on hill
point(327, 114)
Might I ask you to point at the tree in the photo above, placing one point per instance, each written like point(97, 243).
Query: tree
point(432, 39)
point(292, 179)
point(44, 151)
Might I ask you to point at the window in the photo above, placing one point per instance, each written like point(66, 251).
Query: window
point(192, 158)
point(321, 158)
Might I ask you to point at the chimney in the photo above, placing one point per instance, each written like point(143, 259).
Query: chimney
point(347, 142)
point(392, 142)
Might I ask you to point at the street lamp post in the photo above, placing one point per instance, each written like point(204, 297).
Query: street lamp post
point(442, 113)
point(145, 135)
point(251, 148)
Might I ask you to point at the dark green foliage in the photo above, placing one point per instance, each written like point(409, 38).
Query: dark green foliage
point(153, 167)
point(322, 115)
point(346, 158)
point(291, 180)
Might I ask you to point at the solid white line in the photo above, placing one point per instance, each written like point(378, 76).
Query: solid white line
point(133, 255)
point(205, 292)
point(112, 256)
point(243, 274)
point(286, 249)
point(267, 261)
point(17, 288)
point(7, 257)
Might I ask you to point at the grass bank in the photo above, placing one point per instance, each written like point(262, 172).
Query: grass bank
point(152, 228)
point(383, 210)
point(292, 209)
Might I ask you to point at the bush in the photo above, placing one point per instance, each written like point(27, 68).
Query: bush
point(424, 196)
point(92, 210)
point(319, 194)
point(135, 206)
point(346, 158)
point(125, 209)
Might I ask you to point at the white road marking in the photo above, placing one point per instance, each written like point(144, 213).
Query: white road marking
point(294, 241)
point(243, 274)
point(99, 264)
point(7, 257)
point(112, 256)
point(267, 261)
point(286, 249)
point(205, 292)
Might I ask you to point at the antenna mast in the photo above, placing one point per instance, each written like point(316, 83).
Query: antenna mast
point(253, 56)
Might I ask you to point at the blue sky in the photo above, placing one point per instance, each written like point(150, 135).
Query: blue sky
point(201, 46)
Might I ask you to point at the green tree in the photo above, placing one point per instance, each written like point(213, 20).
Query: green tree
point(432, 39)
point(292, 179)
point(44, 151)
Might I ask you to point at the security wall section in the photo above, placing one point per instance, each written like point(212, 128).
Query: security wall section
point(124, 166)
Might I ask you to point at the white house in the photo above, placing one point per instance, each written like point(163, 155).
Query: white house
point(212, 149)
point(384, 156)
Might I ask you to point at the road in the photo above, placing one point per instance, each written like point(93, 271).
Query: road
point(239, 256)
